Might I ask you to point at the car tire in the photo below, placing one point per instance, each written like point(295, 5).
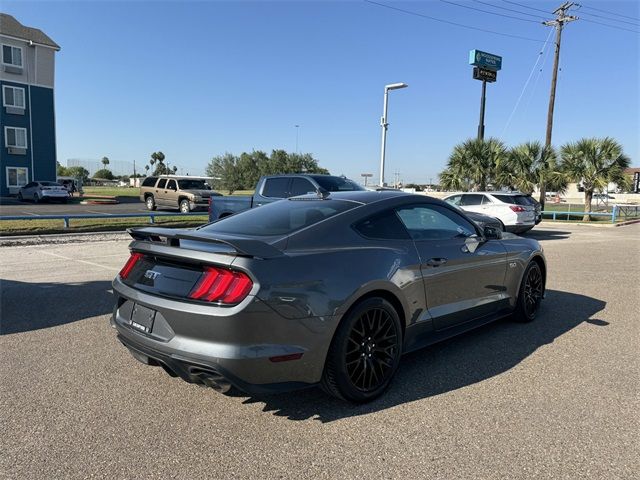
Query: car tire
point(36, 198)
point(364, 353)
point(530, 294)
point(150, 202)
point(20, 199)
point(183, 206)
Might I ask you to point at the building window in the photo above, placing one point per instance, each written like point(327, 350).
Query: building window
point(15, 137)
point(17, 176)
point(12, 55)
point(13, 96)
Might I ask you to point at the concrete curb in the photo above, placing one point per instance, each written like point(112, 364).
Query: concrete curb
point(62, 238)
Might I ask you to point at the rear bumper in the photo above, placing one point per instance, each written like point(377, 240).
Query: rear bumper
point(242, 346)
point(208, 374)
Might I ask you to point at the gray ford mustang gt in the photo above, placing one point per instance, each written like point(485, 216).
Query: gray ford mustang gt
point(327, 289)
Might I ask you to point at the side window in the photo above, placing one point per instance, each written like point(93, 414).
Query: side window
point(385, 225)
point(471, 199)
point(171, 185)
point(301, 186)
point(455, 200)
point(276, 187)
point(162, 183)
point(434, 222)
point(149, 181)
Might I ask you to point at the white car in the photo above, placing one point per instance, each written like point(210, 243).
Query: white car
point(38, 191)
point(513, 209)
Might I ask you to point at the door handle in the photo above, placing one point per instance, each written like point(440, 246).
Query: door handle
point(436, 262)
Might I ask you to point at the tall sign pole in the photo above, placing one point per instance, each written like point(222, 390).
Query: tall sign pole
point(486, 66)
point(558, 23)
point(384, 124)
point(483, 98)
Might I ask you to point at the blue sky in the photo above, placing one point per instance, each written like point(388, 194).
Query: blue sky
point(197, 79)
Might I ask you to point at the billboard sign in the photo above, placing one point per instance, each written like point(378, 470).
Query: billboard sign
point(478, 58)
point(480, 73)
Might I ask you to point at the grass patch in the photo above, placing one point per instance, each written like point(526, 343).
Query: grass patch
point(38, 227)
point(111, 191)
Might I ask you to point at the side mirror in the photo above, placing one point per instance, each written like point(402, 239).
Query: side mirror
point(492, 233)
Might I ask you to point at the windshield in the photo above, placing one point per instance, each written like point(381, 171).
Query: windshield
point(337, 184)
point(193, 185)
point(514, 199)
point(279, 218)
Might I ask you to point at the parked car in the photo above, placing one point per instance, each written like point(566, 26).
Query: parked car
point(43, 190)
point(536, 205)
point(276, 187)
point(514, 210)
point(603, 197)
point(182, 193)
point(327, 289)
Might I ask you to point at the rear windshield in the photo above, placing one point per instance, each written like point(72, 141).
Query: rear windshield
point(193, 185)
point(513, 199)
point(279, 218)
point(337, 184)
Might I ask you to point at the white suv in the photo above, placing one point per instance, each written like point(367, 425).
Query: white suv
point(515, 212)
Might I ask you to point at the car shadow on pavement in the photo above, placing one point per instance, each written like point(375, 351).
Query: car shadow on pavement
point(547, 234)
point(31, 306)
point(453, 364)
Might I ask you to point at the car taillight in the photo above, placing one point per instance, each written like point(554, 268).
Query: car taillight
point(516, 208)
point(133, 259)
point(221, 285)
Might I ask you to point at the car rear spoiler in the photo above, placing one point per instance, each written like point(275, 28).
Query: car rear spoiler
point(242, 246)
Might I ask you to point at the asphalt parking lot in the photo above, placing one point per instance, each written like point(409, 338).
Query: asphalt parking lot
point(556, 398)
point(12, 206)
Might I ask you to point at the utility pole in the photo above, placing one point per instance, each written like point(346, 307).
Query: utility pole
point(558, 23)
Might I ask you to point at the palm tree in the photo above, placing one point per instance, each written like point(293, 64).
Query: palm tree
point(595, 162)
point(528, 165)
point(472, 164)
point(105, 161)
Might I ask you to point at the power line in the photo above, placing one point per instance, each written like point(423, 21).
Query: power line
point(611, 19)
point(609, 12)
point(409, 12)
point(609, 25)
point(524, 87)
point(526, 6)
point(488, 12)
point(510, 9)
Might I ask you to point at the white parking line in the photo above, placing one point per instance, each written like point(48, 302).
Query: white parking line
point(80, 261)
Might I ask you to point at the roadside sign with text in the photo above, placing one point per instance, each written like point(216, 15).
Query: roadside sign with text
point(486, 60)
point(480, 73)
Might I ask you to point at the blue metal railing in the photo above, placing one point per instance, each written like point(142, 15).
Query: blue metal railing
point(67, 218)
point(613, 214)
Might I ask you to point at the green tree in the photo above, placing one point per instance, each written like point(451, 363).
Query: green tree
point(60, 170)
point(157, 159)
point(77, 172)
point(595, 162)
point(472, 164)
point(105, 162)
point(104, 173)
point(528, 165)
point(225, 173)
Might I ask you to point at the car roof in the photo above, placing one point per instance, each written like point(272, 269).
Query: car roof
point(488, 193)
point(366, 196)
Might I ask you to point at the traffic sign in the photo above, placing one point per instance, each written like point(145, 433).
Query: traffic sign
point(486, 60)
point(480, 73)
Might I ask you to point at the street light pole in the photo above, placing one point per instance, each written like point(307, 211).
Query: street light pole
point(385, 125)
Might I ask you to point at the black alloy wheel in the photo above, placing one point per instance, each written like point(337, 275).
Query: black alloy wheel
point(364, 353)
point(531, 292)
